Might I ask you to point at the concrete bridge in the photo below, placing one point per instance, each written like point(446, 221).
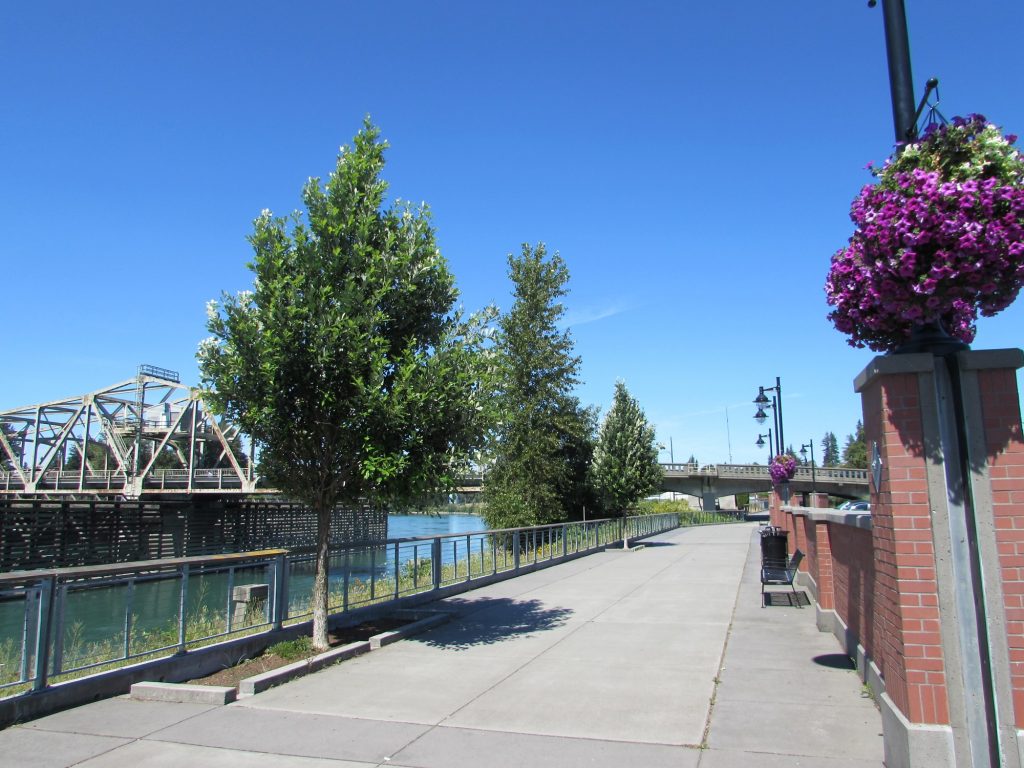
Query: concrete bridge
point(712, 481)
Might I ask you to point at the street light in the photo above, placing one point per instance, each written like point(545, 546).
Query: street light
point(803, 453)
point(760, 444)
point(762, 402)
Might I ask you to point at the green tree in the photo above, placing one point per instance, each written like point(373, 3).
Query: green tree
point(345, 363)
point(14, 441)
point(543, 441)
point(98, 453)
point(830, 450)
point(625, 467)
point(855, 452)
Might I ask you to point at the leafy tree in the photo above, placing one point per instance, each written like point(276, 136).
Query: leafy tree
point(98, 453)
point(14, 441)
point(830, 450)
point(346, 363)
point(625, 467)
point(543, 441)
point(855, 452)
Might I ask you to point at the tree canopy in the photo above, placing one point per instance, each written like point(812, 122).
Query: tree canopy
point(346, 362)
point(855, 452)
point(625, 467)
point(543, 442)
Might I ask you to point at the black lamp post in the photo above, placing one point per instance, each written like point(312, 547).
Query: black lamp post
point(803, 453)
point(762, 402)
point(760, 444)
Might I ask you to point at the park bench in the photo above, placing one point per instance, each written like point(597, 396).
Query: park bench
point(780, 573)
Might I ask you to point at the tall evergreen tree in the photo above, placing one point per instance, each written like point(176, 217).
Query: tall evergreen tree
point(345, 362)
point(544, 440)
point(830, 450)
point(626, 464)
point(855, 452)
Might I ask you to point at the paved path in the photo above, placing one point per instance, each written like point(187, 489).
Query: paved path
point(656, 657)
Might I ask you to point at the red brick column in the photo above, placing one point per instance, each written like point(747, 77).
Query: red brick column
point(1004, 447)
point(906, 605)
point(778, 517)
point(823, 565)
point(949, 554)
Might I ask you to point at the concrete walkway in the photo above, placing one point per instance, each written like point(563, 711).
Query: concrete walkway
point(656, 657)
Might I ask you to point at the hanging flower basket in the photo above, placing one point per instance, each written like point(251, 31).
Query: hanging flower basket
point(938, 239)
point(782, 468)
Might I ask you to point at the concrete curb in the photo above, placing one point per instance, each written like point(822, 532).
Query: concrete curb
point(386, 638)
point(180, 693)
point(250, 686)
point(184, 693)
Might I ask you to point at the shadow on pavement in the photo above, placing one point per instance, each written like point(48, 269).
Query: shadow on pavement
point(493, 620)
point(643, 543)
point(786, 600)
point(834, 661)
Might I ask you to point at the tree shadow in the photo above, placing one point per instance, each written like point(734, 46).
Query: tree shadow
point(494, 620)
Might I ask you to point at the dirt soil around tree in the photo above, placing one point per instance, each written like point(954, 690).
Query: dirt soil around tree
point(232, 676)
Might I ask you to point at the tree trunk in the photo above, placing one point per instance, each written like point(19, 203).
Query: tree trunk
point(320, 591)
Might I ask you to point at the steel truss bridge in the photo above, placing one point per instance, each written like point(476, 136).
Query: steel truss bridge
point(149, 435)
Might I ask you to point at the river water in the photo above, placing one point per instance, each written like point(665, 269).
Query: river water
point(98, 614)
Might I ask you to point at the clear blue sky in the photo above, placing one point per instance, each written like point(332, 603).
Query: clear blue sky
point(692, 162)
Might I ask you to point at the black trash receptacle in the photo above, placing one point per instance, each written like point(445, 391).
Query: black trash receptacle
point(773, 547)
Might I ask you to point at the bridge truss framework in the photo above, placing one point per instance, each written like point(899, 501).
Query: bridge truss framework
point(149, 435)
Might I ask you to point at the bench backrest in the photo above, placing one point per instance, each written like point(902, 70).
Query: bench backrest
point(794, 564)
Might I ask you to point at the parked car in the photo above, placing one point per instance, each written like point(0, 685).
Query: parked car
point(855, 506)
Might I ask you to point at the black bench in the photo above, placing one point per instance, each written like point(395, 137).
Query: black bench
point(775, 573)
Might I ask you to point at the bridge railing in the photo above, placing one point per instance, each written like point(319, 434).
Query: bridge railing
point(760, 471)
point(114, 480)
point(58, 625)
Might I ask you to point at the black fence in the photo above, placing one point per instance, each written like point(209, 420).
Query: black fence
point(64, 534)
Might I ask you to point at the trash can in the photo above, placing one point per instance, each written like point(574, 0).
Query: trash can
point(774, 550)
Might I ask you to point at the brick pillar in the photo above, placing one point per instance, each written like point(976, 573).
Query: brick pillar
point(933, 626)
point(778, 517)
point(823, 565)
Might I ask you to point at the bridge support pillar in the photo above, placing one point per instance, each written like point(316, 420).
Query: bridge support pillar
point(946, 451)
point(708, 500)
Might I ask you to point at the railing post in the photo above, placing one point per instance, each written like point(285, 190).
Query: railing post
point(43, 623)
point(565, 544)
point(515, 550)
point(57, 662)
point(182, 608)
point(280, 591)
point(435, 562)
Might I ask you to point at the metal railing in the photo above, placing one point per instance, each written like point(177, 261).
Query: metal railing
point(60, 624)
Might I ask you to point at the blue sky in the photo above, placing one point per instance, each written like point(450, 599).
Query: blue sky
point(693, 163)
